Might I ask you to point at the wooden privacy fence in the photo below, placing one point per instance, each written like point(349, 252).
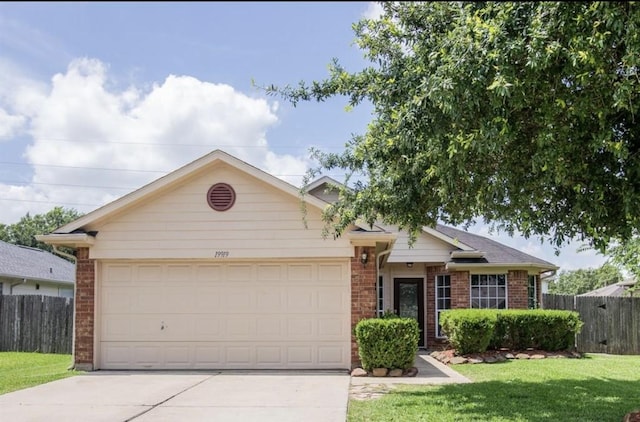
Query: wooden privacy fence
point(30, 323)
point(611, 324)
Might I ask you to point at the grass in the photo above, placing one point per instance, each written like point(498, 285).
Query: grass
point(596, 388)
point(20, 370)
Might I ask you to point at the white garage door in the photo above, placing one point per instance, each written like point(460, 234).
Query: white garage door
point(185, 315)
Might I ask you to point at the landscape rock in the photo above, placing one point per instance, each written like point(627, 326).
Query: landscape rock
point(509, 356)
point(411, 372)
point(522, 356)
point(457, 360)
point(380, 372)
point(395, 373)
point(359, 372)
point(538, 356)
point(475, 360)
point(490, 359)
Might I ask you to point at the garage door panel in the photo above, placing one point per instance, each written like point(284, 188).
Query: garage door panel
point(187, 315)
point(117, 299)
point(222, 355)
point(209, 272)
point(301, 272)
point(149, 273)
point(270, 272)
point(300, 300)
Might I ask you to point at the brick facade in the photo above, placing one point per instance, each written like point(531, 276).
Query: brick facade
point(517, 283)
point(363, 293)
point(85, 308)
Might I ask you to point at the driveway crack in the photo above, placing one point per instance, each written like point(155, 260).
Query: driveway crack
point(136, 416)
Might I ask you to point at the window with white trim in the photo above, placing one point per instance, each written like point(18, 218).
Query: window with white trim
point(380, 296)
point(443, 299)
point(489, 291)
point(532, 292)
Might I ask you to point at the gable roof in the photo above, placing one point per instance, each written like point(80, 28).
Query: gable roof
point(34, 264)
point(622, 289)
point(494, 252)
point(325, 181)
point(173, 179)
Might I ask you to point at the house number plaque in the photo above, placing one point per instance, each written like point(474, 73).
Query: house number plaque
point(221, 254)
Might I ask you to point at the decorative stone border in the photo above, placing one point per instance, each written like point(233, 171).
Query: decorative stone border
point(450, 357)
point(384, 372)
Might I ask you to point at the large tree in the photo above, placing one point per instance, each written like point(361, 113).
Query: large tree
point(24, 231)
point(522, 114)
point(584, 280)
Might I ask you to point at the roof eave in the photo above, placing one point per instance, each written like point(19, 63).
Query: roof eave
point(454, 242)
point(71, 240)
point(370, 238)
point(38, 279)
point(454, 266)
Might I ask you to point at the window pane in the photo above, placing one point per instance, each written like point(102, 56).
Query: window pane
point(489, 292)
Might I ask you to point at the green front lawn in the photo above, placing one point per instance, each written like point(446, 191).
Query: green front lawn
point(596, 388)
point(20, 370)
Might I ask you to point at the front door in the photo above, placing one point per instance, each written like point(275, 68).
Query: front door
point(408, 301)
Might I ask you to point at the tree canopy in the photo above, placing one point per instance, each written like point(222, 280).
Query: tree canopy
point(24, 231)
point(584, 280)
point(521, 114)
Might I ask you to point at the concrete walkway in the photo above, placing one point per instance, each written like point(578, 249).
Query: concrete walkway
point(430, 371)
point(177, 396)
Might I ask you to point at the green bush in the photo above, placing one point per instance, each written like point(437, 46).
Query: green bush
point(469, 330)
point(549, 330)
point(387, 343)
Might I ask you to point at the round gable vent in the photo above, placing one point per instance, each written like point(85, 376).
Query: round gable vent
point(221, 197)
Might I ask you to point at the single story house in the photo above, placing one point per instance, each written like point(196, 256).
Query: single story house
point(215, 266)
point(31, 271)
point(622, 289)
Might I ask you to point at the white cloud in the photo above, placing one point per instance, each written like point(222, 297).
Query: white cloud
point(81, 126)
point(374, 10)
point(10, 125)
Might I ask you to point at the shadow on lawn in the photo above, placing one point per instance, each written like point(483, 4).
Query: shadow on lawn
point(597, 399)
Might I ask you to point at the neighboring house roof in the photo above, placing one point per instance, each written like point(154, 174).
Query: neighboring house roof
point(617, 289)
point(494, 252)
point(34, 264)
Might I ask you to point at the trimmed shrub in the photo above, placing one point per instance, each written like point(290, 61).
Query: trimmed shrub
point(387, 343)
point(469, 330)
point(549, 330)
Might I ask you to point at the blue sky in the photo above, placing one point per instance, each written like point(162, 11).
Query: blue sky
point(97, 99)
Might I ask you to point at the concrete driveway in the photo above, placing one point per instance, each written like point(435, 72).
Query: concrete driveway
point(183, 396)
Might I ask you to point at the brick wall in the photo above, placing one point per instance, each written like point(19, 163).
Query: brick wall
point(363, 293)
point(517, 282)
point(85, 308)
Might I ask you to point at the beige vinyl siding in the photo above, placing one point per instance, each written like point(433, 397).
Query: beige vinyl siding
point(425, 249)
point(178, 223)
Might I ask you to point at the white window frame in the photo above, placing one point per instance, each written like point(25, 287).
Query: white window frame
point(440, 277)
point(380, 296)
point(496, 285)
point(535, 291)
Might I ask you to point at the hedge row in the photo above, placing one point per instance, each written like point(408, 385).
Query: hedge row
point(476, 330)
point(387, 343)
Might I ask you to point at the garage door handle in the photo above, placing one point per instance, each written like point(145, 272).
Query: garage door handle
point(162, 326)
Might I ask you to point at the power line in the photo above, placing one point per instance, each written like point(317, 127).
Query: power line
point(48, 202)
